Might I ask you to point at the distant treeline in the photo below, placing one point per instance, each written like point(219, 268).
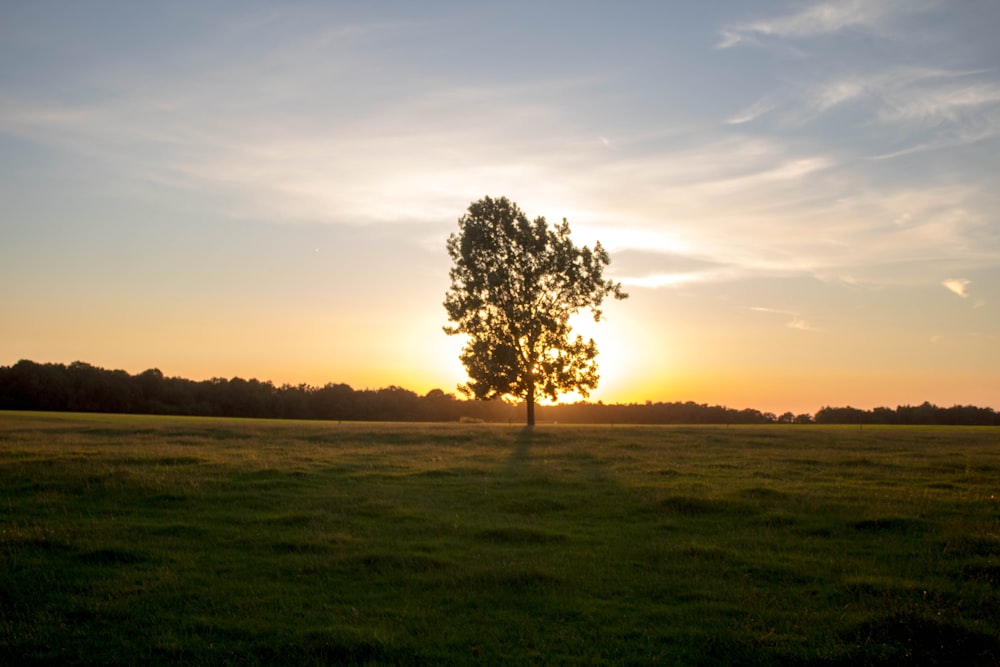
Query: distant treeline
point(81, 387)
point(925, 413)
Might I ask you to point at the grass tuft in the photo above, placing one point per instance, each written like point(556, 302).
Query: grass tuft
point(515, 535)
point(895, 524)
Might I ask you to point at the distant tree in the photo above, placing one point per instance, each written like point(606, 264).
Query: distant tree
point(883, 415)
point(335, 401)
point(514, 285)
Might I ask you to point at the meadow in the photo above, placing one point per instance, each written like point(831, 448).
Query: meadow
point(197, 541)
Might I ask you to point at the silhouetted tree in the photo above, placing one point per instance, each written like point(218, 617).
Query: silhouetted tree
point(848, 415)
point(514, 285)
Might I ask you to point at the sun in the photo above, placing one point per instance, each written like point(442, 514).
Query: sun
point(623, 356)
point(632, 360)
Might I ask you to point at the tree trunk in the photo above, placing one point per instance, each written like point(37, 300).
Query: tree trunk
point(529, 400)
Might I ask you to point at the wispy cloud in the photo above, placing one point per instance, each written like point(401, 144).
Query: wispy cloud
point(795, 320)
point(898, 113)
point(753, 112)
point(749, 205)
point(681, 279)
point(867, 221)
point(422, 157)
point(930, 105)
point(819, 19)
point(914, 97)
point(917, 98)
point(771, 212)
point(958, 286)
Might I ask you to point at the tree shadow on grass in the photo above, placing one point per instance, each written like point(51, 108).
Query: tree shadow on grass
point(520, 458)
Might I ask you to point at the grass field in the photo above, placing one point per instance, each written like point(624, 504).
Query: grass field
point(151, 540)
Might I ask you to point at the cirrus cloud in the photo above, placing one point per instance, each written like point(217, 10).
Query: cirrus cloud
point(820, 19)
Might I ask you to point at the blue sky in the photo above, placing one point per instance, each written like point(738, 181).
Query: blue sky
point(799, 196)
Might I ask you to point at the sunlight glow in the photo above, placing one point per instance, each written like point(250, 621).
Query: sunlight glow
point(627, 351)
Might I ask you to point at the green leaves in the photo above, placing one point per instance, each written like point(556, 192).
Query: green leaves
point(514, 285)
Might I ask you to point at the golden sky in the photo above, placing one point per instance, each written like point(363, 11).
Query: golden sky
point(800, 197)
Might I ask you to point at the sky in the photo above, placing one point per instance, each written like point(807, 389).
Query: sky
point(801, 198)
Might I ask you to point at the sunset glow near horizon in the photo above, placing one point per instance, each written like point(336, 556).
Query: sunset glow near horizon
point(801, 198)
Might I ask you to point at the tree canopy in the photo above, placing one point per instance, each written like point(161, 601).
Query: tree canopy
point(514, 285)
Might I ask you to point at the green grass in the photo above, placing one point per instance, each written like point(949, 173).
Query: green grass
point(156, 540)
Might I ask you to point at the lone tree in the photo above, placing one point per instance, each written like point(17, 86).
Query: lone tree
point(514, 285)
